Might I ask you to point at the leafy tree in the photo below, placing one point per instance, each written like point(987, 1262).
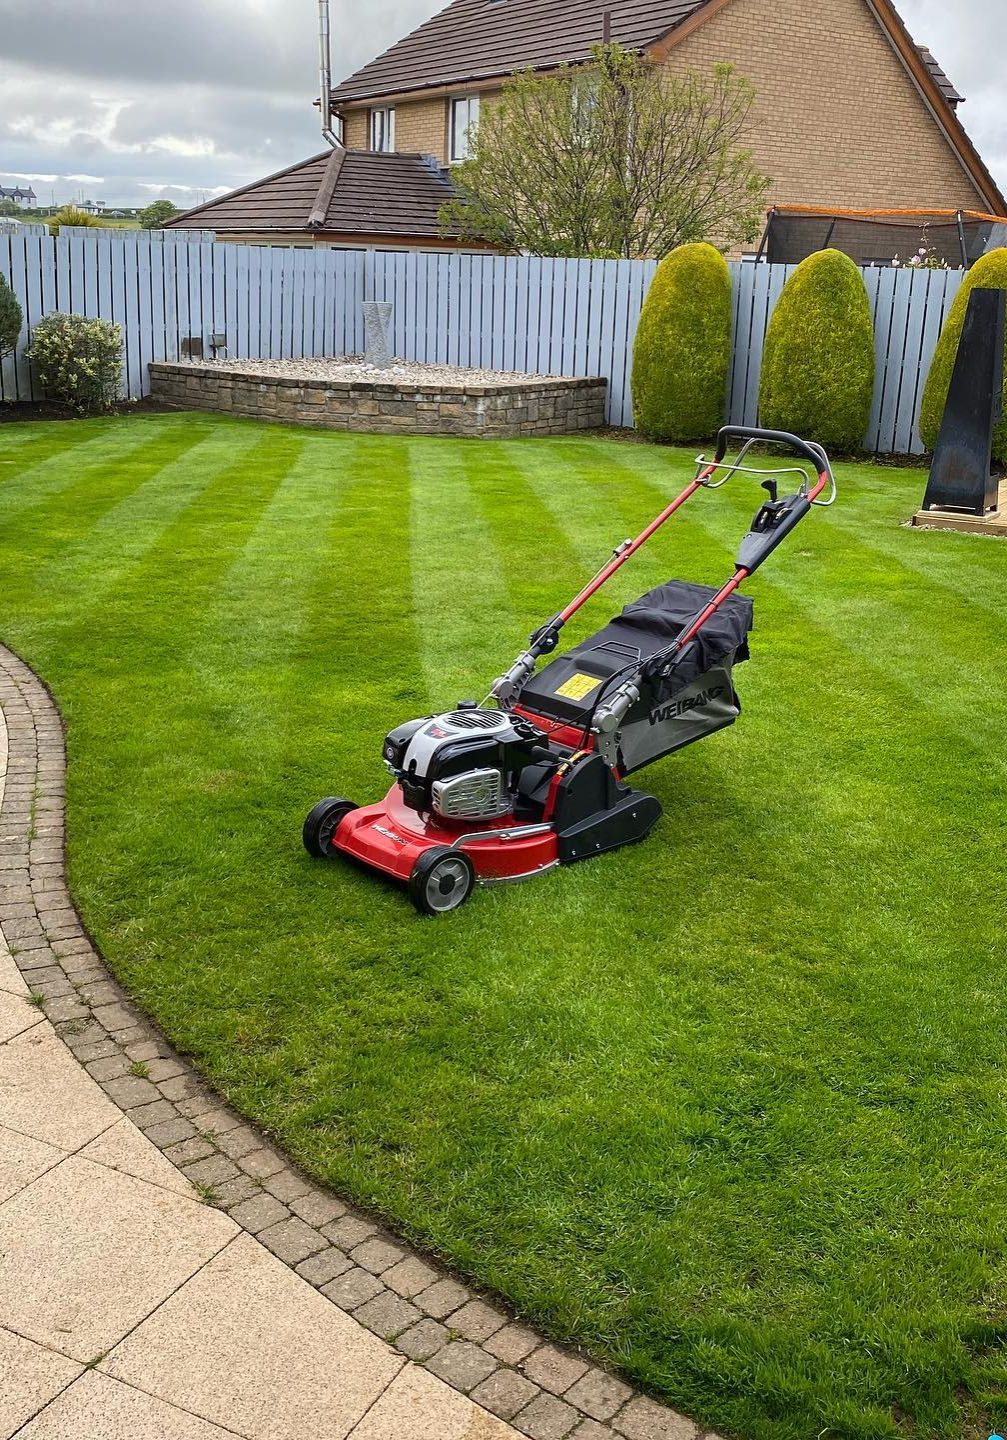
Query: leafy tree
point(683, 346)
point(9, 207)
point(10, 318)
point(155, 215)
point(70, 215)
point(617, 157)
point(990, 272)
point(818, 363)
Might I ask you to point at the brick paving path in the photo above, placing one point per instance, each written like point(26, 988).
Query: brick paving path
point(413, 1304)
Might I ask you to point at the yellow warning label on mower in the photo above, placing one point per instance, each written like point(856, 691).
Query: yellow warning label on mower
point(578, 687)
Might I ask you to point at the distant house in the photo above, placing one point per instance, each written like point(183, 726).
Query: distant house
point(348, 198)
point(25, 199)
point(850, 113)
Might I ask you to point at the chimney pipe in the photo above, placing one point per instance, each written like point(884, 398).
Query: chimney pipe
point(325, 68)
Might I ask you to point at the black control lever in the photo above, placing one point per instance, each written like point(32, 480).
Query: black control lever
point(773, 523)
point(773, 489)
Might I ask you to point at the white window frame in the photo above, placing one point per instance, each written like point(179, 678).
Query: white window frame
point(382, 129)
point(463, 117)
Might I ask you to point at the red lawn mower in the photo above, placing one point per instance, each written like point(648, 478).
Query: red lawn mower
point(504, 791)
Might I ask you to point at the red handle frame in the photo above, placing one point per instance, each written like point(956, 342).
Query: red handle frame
point(617, 561)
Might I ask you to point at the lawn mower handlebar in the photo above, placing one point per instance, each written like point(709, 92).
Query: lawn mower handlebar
point(804, 449)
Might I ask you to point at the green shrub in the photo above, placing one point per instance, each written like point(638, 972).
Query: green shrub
point(70, 215)
point(78, 360)
point(989, 273)
point(683, 347)
point(10, 318)
point(818, 363)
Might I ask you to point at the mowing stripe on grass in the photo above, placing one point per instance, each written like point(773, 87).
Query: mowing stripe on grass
point(126, 532)
point(99, 452)
point(267, 602)
point(459, 590)
point(868, 597)
point(359, 603)
point(66, 521)
point(535, 551)
point(26, 444)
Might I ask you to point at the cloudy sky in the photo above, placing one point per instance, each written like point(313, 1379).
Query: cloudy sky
point(128, 100)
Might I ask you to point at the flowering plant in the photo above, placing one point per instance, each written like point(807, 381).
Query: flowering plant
point(926, 257)
point(78, 360)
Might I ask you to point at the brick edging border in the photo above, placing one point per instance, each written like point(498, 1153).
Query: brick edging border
point(412, 1302)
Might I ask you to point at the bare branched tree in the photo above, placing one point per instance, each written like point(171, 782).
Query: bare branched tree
point(617, 157)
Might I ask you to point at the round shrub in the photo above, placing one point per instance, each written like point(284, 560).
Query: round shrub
point(989, 273)
point(683, 347)
point(818, 363)
point(10, 318)
point(78, 360)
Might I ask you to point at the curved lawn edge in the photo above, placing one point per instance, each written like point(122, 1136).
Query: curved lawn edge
point(410, 1300)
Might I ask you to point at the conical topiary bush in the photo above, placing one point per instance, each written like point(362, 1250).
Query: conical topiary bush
point(683, 347)
point(818, 363)
point(989, 273)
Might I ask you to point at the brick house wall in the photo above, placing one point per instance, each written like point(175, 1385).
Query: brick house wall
point(837, 119)
point(421, 126)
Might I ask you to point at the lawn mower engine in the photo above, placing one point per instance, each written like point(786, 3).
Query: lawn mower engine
point(463, 765)
point(481, 795)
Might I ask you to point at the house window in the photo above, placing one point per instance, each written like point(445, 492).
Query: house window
point(383, 130)
point(464, 119)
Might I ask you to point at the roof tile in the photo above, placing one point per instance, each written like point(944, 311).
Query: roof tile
point(373, 194)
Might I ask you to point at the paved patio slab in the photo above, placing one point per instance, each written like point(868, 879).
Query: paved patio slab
point(91, 1252)
point(124, 1148)
point(248, 1344)
point(418, 1406)
point(11, 978)
point(23, 1160)
point(97, 1408)
point(16, 1015)
point(35, 1069)
point(29, 1378)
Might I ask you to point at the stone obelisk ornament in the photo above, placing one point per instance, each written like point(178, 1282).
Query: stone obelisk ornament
point(377, 333)
point(960, 476)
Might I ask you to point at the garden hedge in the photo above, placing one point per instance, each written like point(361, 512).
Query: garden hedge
point(683, 347)
point(988, 273)
point(10, 318)
point(818, 363)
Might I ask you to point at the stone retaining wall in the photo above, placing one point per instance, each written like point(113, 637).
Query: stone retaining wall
point(538, 407)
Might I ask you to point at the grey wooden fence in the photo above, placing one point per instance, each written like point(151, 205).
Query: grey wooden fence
point(176, 293)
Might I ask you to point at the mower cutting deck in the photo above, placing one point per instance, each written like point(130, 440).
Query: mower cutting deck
point(497, 793)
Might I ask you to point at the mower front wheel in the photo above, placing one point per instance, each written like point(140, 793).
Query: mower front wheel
point(442, 879)
point(322, 824)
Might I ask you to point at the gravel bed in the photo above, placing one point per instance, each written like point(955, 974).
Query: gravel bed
point(399, 372)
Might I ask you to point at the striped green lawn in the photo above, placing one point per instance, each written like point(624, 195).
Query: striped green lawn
point(727, 1108)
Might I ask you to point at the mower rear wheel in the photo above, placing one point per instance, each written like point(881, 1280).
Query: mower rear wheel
point(321, 826)
point(442, 879)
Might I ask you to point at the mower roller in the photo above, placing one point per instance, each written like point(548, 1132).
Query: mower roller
point(536, 776)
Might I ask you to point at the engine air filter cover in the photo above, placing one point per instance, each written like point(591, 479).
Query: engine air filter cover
point(474, 795)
